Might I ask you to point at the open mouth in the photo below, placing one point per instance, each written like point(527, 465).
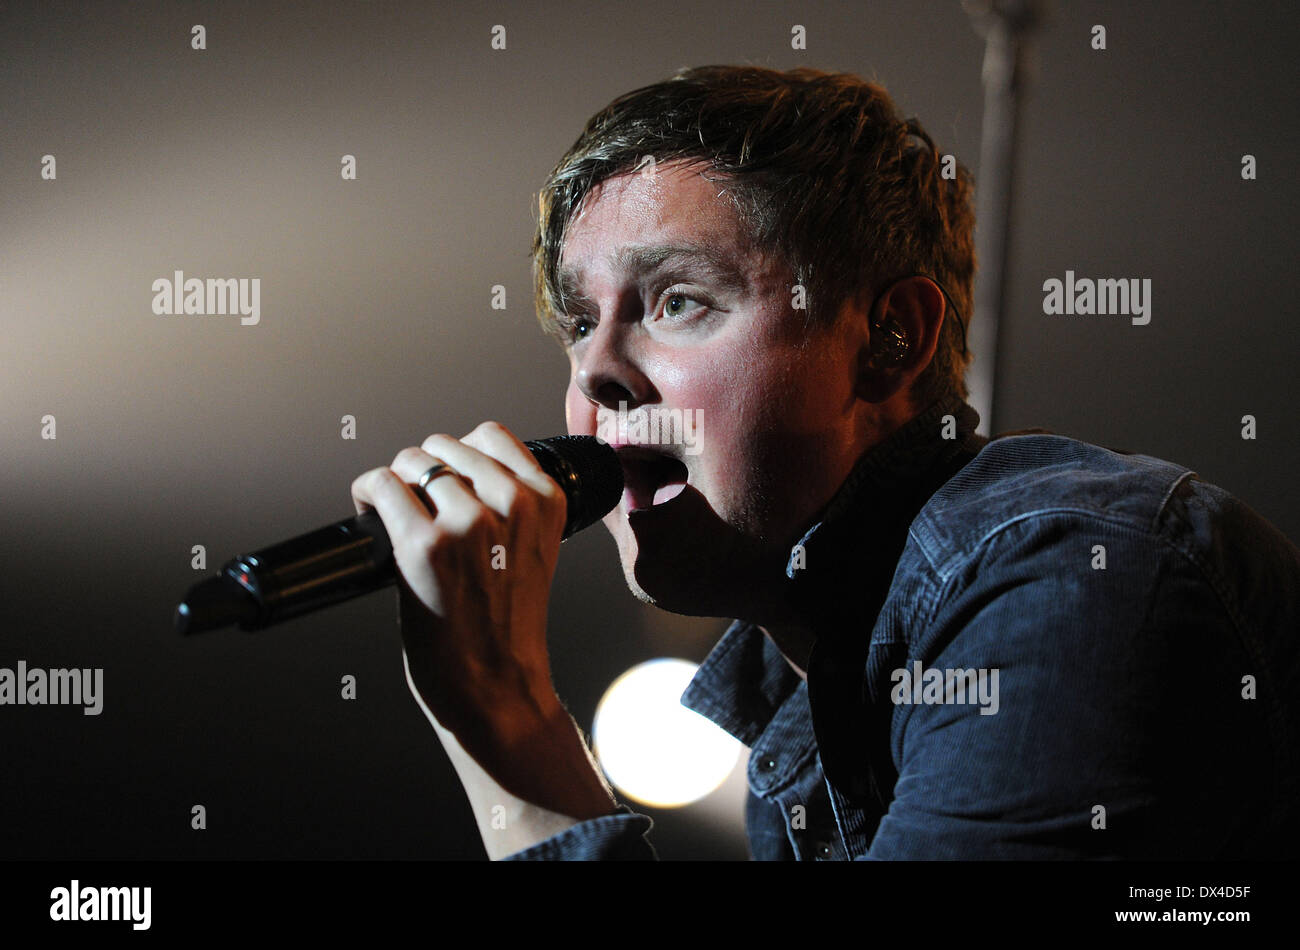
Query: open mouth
point(651, 478)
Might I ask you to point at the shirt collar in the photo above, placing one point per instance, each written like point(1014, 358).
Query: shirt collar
point(841, 569)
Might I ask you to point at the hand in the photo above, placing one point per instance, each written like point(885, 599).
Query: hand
point(475, 560)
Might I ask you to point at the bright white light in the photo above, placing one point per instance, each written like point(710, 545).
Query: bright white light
point(653, 748)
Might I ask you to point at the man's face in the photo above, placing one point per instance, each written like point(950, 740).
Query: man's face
point(672, 309)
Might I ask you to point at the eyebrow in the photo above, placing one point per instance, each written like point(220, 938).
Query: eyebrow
point(686, 260)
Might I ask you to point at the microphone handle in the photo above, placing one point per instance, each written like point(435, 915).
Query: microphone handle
point(327, 566)
point(341, 561)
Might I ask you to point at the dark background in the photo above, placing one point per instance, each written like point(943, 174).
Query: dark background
point(183, 430)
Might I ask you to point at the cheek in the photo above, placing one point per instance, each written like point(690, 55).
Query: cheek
point(734, 407)
point(764, 420)
point(705, 386)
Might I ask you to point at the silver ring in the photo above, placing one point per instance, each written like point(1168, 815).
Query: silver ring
point(439, 469)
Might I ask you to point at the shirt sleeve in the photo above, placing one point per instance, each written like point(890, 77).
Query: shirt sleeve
point(1116, 725)
point(617, 837)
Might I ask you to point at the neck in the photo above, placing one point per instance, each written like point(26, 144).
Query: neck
point(860, 531)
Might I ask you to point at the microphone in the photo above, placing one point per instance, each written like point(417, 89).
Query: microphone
point(354, 557)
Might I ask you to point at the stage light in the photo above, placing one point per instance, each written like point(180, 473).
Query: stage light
point(654, 749)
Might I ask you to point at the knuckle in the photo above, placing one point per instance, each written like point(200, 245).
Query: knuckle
point(480, 520)
point(423, 537)
point(438, 438)
point(485, 435)
point(368, 481)
point(513, 496)
point(551, 490)
point(409, 455)
point(476, 523)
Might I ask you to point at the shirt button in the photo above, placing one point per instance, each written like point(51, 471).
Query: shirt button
point(766, 763)
point(822, 849)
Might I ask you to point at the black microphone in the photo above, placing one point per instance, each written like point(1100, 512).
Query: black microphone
point(354, 556)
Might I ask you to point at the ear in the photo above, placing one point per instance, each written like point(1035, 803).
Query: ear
point(915, 306)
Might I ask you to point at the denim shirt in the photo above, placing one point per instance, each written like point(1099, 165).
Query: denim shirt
point(1026, 648)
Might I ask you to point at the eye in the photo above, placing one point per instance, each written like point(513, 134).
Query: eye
point(675, 303)
point(572, 329)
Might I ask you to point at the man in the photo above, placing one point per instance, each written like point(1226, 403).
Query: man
point(946, 647)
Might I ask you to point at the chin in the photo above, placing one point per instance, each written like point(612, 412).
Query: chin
point(686, 586)
point(683, 558)
point(674, 599)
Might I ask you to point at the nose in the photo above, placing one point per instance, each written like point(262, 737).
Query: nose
point(608, 370)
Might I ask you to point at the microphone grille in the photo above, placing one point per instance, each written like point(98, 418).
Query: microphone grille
point(589, 472)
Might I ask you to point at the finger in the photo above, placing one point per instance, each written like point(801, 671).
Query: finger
point(494, 439)
point(382, 490)
point(498, 485)
point(455, 503)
